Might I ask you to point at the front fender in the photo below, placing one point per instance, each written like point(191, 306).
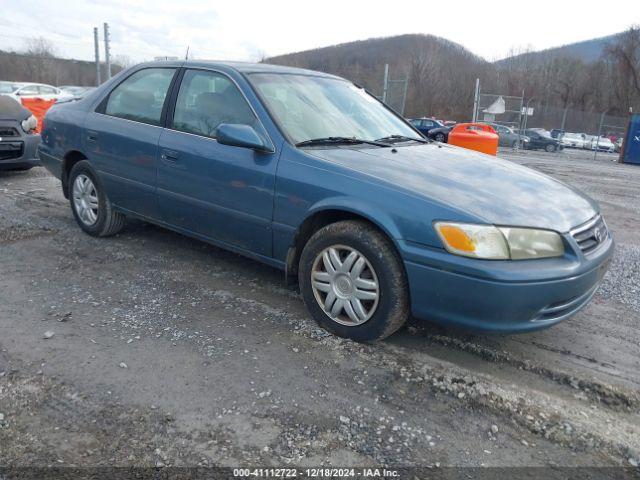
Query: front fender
point(357, 206)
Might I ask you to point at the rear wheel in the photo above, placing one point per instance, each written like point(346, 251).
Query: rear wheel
point(550, 148)
point(89, 203)
point(440, 137)
point(353, 282)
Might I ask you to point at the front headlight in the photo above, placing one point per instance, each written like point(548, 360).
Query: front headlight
point(530, 243)
point(30, 124)
point(499, 243)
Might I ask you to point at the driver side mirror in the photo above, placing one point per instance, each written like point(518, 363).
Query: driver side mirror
point(238, 135)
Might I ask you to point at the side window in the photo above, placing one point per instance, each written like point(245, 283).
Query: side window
point(141, 96)
point(29, 90)
point(44, 90)
point(208, 99)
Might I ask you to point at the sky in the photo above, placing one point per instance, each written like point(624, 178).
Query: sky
point(250, 30)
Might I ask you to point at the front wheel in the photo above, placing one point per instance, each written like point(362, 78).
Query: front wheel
point(353, 282)
point(440, 138)
point(89, 203)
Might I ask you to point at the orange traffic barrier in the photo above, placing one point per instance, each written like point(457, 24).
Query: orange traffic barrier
point(475, 136)
point(39, 107)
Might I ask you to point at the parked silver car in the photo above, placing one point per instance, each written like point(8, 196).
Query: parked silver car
point(18, 90)
point(507, 137)
point(573, 140)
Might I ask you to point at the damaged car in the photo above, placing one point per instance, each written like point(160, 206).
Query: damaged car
point(311, 174)
point(18, 137)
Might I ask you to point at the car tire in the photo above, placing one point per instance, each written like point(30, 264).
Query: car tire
point(439, 137)
point(89, 203)
point(550, 148)
point(368, 278)
point(514, 144)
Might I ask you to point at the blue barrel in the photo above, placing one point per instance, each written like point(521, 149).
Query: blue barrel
point(632, 143)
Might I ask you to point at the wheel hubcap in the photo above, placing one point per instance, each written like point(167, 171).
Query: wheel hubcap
point(345, 285)
point(85, 199)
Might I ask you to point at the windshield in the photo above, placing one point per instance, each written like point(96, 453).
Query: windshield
point(308, 107)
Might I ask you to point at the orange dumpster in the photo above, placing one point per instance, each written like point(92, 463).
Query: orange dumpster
point(39, 107)
point(475, 136)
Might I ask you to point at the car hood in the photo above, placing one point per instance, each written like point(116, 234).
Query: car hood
point(494, 190)
point(11, 109)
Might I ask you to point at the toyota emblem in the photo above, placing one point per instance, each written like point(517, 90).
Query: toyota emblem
point(599, 235)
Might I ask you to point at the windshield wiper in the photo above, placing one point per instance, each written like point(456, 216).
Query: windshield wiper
point(401, 138)
point(339, 140)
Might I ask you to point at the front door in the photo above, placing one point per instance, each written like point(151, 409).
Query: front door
point(216, 191)
point(121, 139)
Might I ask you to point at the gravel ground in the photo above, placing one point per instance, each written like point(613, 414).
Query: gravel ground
point(152, 349)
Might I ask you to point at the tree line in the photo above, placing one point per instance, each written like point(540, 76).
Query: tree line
point(441, 74)
point(38, 62)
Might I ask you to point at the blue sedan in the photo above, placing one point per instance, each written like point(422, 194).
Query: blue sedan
point(311, 174)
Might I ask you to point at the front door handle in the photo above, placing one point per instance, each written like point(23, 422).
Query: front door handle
point(92, 136)
point(169, 157)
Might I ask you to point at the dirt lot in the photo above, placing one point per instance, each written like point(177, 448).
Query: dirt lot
point(168, 351)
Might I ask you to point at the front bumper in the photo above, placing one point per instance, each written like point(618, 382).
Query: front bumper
point(504, 296)
point(19, 152)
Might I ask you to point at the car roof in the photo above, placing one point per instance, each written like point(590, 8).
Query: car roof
point(28, 84)
point(244, 67)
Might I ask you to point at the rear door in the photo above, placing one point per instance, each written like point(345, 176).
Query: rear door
point(121, 139)
point(217, 191)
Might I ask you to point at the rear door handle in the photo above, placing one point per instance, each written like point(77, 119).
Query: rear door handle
point(92, 136)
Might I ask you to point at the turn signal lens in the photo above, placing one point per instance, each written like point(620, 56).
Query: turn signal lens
point(476, 241)
point(456, 238)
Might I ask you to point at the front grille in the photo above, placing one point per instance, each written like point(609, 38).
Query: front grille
point(8, 132)
point(591, 234)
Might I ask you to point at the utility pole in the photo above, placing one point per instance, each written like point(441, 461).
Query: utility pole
point(95, 41)
point(107, 49)
point(186, 57)
point(385, 86)
point(476, 99)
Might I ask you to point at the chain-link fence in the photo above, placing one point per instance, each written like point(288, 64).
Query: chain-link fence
point(597, 131)
point(576, 121)
point(396, 95)
point(503, 109)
